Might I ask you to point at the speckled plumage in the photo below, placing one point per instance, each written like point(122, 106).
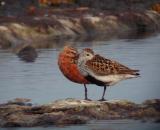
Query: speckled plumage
point(102, 66)
point(102, 71)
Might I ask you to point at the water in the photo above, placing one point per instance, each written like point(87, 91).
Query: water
point(100, 125)
point(43, 82)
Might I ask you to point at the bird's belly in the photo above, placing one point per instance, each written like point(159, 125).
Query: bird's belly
point(113, 79)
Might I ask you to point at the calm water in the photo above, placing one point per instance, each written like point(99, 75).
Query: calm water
point(101, 125)
point(43, 82)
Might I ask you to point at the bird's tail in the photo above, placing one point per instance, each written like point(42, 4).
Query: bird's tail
point(136, 73)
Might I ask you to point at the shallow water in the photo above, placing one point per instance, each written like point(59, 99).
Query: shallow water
point(43, 82)
point(101, 125)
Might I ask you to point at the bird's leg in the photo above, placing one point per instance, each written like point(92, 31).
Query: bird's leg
point(86, 97)
point(103, 99)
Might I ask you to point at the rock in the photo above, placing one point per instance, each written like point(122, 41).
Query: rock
point(20, 120)
point(70, 103)
point(73, 119)
point(139, 22)
point(50, 118)
point(20, 101)
point(44, 32)
point(16, 113)
point(153, 103)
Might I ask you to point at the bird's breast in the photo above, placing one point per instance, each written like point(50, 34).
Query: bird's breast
point(70, 70)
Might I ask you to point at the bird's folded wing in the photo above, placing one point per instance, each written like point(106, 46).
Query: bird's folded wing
point(101, 66)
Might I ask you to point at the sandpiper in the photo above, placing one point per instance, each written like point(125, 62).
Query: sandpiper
point(67, 62)
point(103, 72)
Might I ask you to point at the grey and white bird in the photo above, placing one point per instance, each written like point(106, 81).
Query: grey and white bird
point(103, 72)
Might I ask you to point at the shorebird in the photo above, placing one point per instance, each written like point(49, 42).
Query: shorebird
point(103, 72)
point(67, 62)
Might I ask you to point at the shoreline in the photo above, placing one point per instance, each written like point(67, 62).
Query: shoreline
point(44, 31)
point(22, 113)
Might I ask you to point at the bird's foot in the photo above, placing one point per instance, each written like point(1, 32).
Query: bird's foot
point(87, 99)
point(102, 99)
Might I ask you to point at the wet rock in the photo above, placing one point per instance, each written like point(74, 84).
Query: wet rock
point(150, 112)
point(70, 103)
point(20, 120)
point(155, 103)
point(27, 54)
point(72, 26)
point(140, 22)
point(20, 101)
point(15, 113)
point(73, 119)
point(100, 26)
point(52, 118)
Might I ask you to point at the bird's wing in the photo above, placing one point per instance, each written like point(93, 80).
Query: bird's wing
point(102, 66)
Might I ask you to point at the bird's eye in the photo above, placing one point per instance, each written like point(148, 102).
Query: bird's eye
point(87, 54)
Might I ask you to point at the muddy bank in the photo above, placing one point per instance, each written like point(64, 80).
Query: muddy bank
point(22, 113)
point(46, 31)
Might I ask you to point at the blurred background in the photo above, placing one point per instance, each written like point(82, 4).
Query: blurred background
point(33, 32)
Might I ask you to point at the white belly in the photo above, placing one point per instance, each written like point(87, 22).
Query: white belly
point(108, 79)
point(113, 79)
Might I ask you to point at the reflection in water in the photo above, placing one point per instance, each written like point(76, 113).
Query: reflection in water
point(87, 41)
point(122, 125)
point(43, 82)
point(101, 125)
point(28, 54)
point(61, 41)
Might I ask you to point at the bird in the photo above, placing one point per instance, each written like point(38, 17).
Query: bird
point(67, 62)
point(103, 71)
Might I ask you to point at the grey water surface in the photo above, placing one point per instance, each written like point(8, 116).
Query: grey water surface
point(43, 82)
point(100, 125)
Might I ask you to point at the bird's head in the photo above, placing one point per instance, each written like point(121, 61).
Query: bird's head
point(70, 52)
point(86, 54)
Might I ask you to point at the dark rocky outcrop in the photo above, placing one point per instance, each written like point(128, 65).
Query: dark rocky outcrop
point(21, 113)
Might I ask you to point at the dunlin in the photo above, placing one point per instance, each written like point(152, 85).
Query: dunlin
point(67, 62)
point(101, 71)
